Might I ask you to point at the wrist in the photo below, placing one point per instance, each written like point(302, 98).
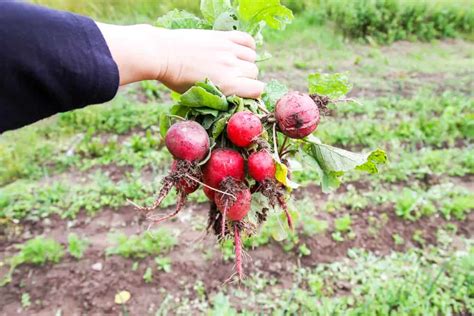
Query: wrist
point(134, 50)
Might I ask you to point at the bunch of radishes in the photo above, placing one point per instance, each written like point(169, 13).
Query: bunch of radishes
point(243, 161)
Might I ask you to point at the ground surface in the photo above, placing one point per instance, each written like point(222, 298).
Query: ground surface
point(407, 230)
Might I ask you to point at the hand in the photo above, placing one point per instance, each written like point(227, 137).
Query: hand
point(179, 58)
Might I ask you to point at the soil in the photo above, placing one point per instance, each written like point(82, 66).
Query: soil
point(75, 288)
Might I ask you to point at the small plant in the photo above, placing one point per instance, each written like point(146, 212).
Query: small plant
point(37, 251)
point(343, 224)
point(313, 226)
point(140, 246)
point(151, 89)
point(315, 284)
point(303, 250)
point(221, 306)
point(337, 236)
point(77, 246)
point(163, 264)
point(227, 249)
point(398, 240)
point(418, 237)
point(200, 289)
point(148, 275)
point(25, 300)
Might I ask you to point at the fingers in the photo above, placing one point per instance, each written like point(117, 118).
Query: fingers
point(247, 69)
point(245, 53)
point(244, 87)
point(242, 38)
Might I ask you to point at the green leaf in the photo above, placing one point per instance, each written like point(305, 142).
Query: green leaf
point(211, 9)
point(259, 202)
point(235, 100)
point(205, 111)
point(376, 157)
point(219, 126)
point(275, 15)
point(251, 104)
point(175, 96)
point(208, 121)
point(281, 175)
point(274, 90)
point(179, 110)
point(262, 56)
point(332, 85)
point(164, 124)
point(180, 19)
point(210, 87)
point(197, 97)
point(333, 162)
point(227, 21)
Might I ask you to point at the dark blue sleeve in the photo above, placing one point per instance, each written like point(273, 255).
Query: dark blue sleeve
point(50, 61)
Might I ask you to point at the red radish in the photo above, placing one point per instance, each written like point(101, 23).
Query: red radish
point(209, 193)
point(296, 114)
point(223, 163)
point(243, 128)
point(187, 140)
point(261, 166)
point(234, 210)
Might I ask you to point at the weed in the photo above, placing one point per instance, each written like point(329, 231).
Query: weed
point(343, 224)
point(77, 246)
point(140, 246)
point(36, 251)
point(418, 237)
point(148, 276)
point(163, 264)
point(25, 300)
point(398, 240)
point(303, 250)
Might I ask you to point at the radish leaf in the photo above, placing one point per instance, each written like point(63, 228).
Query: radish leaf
point(333, 85)
point(180, 19)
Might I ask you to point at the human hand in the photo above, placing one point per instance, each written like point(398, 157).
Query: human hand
point(179, 58)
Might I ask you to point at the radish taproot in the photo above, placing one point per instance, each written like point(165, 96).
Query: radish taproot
point(243, 128)
point(234, 203)
point(297, 115)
